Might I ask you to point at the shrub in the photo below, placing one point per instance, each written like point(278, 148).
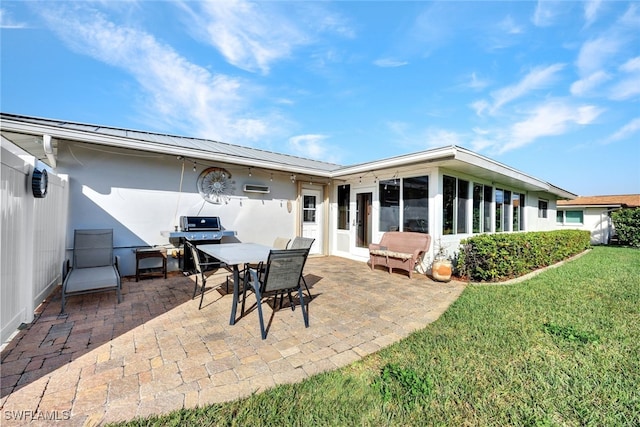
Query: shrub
point(496, 257)
point(627, 225)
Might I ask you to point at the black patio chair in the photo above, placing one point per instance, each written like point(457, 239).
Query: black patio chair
point(283, 272)
point(201, 271)
point(303, 243)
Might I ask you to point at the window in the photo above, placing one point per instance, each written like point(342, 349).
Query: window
point(415, 200)
point(455, 193)
point(543, 206)
point(488, 199)
point(448, 199)
point(573, 217)
point(389, 205)
point(463, 197)
point(570, 217)
point(499, 208)
point(518, 212)
point(344, 194)
point(478, 195)
point(309, 209)
point(506, 211)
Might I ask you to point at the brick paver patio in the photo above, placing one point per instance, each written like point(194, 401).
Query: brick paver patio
point(156, 352)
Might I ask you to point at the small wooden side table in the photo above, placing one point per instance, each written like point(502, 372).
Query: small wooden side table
point(157, 252)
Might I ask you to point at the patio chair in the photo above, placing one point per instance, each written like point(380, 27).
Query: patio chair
point(303, 243)
point(94, 269)
point(278, 243)
point(282, 274)
point(201, 271)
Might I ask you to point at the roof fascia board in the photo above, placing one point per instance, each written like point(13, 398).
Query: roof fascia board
point(611, 205)
point(117, 141)
point(445, 153)
point(499, 168)
point(486, 163)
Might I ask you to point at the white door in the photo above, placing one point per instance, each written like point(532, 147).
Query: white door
point(312, 218)
point(362, 221)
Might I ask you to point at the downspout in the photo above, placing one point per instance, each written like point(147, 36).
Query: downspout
point(48, 150)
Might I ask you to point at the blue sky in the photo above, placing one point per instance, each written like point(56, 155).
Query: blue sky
point(551, 88)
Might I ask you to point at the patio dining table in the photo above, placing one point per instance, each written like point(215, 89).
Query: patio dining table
point(235, 255)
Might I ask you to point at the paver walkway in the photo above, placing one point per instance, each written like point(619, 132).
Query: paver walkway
point(156, 352)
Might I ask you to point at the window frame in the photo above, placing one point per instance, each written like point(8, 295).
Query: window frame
point(543, 209)
point(563, 214)
point(458, 205)
point(344, 206)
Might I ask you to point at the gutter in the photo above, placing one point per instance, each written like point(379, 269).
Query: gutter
point(123, 142)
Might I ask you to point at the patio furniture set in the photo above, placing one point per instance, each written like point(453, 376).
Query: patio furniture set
point(267, 271)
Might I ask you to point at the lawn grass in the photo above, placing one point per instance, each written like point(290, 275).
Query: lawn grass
point(562, 348)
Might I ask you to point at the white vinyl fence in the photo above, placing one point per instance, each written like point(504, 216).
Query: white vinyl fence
point(32, 237)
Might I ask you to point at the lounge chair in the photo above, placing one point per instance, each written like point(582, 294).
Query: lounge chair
point(94, 269)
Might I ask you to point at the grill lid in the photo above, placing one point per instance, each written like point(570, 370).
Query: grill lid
point(200, 223)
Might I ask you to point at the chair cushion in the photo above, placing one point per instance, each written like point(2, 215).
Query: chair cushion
point(86, 279)
point(391, 254)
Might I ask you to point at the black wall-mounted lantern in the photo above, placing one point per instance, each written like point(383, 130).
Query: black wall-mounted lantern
point(39, 183)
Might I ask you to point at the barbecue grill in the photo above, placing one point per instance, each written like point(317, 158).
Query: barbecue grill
point(199, 230)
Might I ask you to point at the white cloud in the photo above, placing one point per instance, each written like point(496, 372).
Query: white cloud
point(550, 119)
point(250, 36)
point(626, 88)
point(313, 146)
point(626, 131)
point(628, 83)
point(477, 83)
point(591, 8)
point(7, 22)
point(595, 54)
point(587, 85)
point(177, 92)
point(389, 63)
point(632, 65)
point(545, 13)
point(254, 35)
point(480, 107)
point(509, 26)
point(538, 78)
point(442, 137)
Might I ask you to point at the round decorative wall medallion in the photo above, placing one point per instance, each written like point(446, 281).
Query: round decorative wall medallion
point(214, 185)
point(39, 183)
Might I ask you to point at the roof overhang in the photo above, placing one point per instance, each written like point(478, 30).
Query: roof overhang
point(457, 159)
point(41, 137)
point(583, 206)
point(37, 138)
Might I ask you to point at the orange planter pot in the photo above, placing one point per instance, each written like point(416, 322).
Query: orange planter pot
point(441, 270)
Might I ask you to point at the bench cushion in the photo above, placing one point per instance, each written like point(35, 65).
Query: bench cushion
point(392, 254)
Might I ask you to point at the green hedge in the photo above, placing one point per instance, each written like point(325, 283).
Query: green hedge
point(627, 224)
point(497, 257)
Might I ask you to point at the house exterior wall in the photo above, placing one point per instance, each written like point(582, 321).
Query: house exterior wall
point(596, 220)
point(343, 239)
point(139, 195)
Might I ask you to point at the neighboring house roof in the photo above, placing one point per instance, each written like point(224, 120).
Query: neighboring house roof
point(39, 137)
point(611, 201)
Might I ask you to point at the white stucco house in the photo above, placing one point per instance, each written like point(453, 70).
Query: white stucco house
point(140, 183)
point(593, 213)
